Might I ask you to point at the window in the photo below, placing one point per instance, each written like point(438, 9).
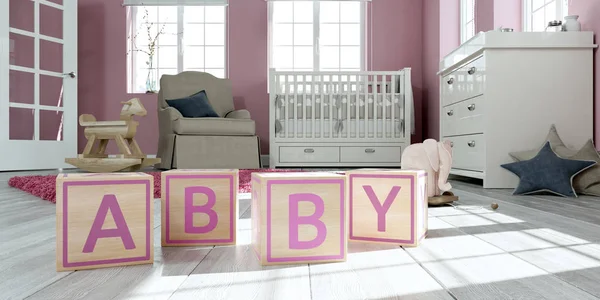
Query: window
point(316, 36)
point(537, 13)
point(467, 20)
point(185, 37)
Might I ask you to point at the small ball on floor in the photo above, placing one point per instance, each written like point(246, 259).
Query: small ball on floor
point(494, 206)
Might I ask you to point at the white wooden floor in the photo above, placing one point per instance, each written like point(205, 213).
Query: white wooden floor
point(534, 247)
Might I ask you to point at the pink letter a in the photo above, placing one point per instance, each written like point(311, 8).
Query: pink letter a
point(381, 209)
point(191, 209)
point(296, 220)
point(109, 202)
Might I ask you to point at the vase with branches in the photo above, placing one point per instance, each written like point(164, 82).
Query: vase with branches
point(150, 48)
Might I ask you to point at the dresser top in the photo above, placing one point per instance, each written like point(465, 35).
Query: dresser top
point(516, 40)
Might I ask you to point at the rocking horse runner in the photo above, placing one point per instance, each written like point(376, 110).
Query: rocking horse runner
point(99, 133)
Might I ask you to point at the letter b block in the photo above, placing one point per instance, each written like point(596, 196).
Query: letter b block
point(104, 220)
point(199, 207)
point(387, 206)
point(299, 217)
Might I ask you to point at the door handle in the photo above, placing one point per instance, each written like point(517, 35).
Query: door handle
point(70, 74)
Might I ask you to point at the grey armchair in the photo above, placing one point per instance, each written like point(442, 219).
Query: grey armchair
point(228, 141)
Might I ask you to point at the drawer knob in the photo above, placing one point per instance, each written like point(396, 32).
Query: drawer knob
point(309, 150)
point(472, 70)
point(451, 144)
point(471, 143)
point(451, 81)
point(369, 150)
point(450, 112)
point(471, 107)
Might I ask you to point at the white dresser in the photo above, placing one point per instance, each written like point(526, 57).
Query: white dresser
point(501, 91)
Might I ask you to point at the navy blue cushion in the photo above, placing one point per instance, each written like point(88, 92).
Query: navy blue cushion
point(194, 106)
point(547, 172)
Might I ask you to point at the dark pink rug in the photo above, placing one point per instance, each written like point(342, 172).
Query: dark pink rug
point(45, 186)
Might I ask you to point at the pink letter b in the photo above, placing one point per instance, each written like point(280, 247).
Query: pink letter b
point(191, 209)
point(296, 221)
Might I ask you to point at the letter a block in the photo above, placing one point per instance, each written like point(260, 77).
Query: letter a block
point(199, 207)
point(299, 217)
point(104, 220)
point(387, 206)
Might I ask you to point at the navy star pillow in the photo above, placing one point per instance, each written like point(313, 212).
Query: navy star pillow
point(547, 172)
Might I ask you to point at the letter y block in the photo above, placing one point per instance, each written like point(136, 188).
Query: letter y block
point(299, 217)
point(387, 206)
point(199, 207)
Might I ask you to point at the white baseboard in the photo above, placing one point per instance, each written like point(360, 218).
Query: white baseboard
point(264, 160)
point(147, 155)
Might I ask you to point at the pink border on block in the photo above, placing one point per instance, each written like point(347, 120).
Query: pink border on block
point(270, 258)
point(231, 210)
point(412, 209)
point(66, 185)
point(254, 247)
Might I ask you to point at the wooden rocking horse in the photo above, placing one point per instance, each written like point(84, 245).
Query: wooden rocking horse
point(98, 133)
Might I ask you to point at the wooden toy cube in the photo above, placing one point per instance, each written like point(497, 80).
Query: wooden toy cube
point(299, 217)
point(104, 220)
point(387, 206)
point(199, 207)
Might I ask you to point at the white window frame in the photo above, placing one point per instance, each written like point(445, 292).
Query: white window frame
point(464, 20)
point(562, 10)
point(131, 61)
point(316, 33)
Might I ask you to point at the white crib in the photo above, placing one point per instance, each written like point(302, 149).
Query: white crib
point(339, 119)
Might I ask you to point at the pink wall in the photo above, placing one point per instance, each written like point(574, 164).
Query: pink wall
point(588, 11)
point(102, 60)
point(441, 32)
point(492, 14)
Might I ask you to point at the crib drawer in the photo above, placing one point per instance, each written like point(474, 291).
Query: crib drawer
point(464, 117)
point(309, 154)
point(370, 154)
point(468, 152)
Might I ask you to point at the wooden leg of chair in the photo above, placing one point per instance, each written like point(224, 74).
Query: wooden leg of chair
point(135, 148)
point(122, 145)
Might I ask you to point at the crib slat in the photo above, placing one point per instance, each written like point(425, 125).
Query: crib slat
point(287, 106)
point(322, 100)
point(304, 135)
point(367, 107)
point(383, 105)
point(330, 105)
point(357, 104)
point(375, 107)
point(313, 103)
point(348, 106)
point(295, 106)
point(393, 100)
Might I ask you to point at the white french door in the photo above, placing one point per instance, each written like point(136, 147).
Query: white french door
point(38, 84)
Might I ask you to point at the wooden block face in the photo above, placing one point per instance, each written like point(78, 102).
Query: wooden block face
point(387, 206)
point(305, 219)
point(199, 207)
point(104, 220)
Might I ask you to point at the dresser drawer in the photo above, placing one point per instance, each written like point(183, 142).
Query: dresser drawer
point(468, 152)
point(370, 154)
point(464, 117)
point(309, 154)
point(465, 82)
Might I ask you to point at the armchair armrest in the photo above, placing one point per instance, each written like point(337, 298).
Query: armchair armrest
point(170, 114)
point(238, 114)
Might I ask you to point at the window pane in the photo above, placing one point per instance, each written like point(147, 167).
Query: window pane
point(215, 14)
point(330, 57)
point(141, 34)
point(470, 31)
point(141, 60)
point(350, 34)
point(535, 4)
point(283, 57)
point(193, 14)
point(220, 73)
point(283, 11)
point(193, 57)
point(330, 34)
point(215, 57)
point(193, 34)
point(330, 12)
point(350, 12)
point(538, 22)
point(215, 34)
point(169, 36)
point(350, 57)
point(167, 57)
point(167, 14)
point(147, 14)
point(303, 12)
point(162, 72)
point(469, 10)
point(303, 34)
point(551, 12)
point(283, 34)
point(303, 57)
point(141, 75)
